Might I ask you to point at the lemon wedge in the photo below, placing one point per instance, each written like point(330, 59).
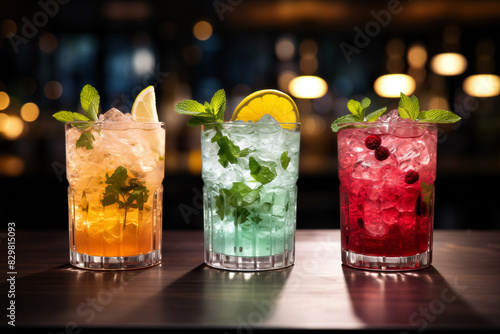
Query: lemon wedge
point(267, 101)
point(144, 107)
point(144, 110)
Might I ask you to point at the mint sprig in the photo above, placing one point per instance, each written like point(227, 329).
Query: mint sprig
point(89, 99)
point(408, 107)
point(208, 113)
point(126, 191)
point(357, 115)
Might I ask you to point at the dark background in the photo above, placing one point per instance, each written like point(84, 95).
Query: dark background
point(50, 49)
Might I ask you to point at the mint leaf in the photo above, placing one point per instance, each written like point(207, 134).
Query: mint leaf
point(89, 99)
point(93, 110)
point(373, 116)
point(408, 107)
point(355, 108)
point(247, 194)
point(228, 151)
point(336, 125)
point(218, 104)
point(190, 107)
point(236, 201)
point(285, 160)
point(207, 113)
point(86, 140)
point(118, 177)
point(365, 103)
point(262, 173)
point(240, 215)
point(358, 109)
point(438, 116)
point(69, 116)
point(134, 193)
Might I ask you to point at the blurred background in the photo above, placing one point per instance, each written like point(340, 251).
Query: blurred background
point(445, 52)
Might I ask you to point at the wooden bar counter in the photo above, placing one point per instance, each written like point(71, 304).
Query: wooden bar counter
point(459, 292)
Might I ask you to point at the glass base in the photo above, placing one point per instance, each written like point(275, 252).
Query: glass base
point(115, 262)
point(241, 263)
point(384, 263)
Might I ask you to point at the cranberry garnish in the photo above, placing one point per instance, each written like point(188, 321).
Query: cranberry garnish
point(372, 142)
point(382, 153)
point(411, 177)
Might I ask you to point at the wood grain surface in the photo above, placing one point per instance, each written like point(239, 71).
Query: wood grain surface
point(461, 291)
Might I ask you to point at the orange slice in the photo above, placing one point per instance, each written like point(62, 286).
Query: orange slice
point(267, 101)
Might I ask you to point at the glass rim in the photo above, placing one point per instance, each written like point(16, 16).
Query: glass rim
point(361, 125)
point(119, 122)
point(251, 123)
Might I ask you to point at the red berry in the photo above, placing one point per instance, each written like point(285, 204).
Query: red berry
point(411, 177)
point(372, 142)
point(382, 153)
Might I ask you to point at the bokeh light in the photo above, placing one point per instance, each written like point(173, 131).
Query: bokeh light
point(11, 165)
point(284, 79)
point(308, 87)
point(449, 64)
point(4, 121)
point(143, 61)
point(391, 85)
point(4, 100)
point(14, 129)
point(47, 42)
point(417, 56)
point(202, 30)
point(285, 48)
point(29, 112)
point(482, 85)
point(53, 90)
point(194, 161)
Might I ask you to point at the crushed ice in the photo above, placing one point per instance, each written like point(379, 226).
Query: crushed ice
point(115, 115)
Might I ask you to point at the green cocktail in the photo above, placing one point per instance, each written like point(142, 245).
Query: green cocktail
point(249, 170)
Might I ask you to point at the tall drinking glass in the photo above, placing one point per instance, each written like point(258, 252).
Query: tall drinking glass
point(115, 194)
point(250, 194)
point(387, 173)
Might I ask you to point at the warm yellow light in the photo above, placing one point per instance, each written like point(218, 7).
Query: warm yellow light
point(4, 122)
point(308, 87)
point(202, 30)
point(11, 165)
point(29, 112)
point(15, 128)
point(417, 56)
point(284, 79)
point(392, 85)
point(482, 85)
point(194, 161)
point(4, 100)
point(449, 64)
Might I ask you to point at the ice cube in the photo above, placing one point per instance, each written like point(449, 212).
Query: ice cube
point(267, 124)
point(110, 118)
point(390, 117)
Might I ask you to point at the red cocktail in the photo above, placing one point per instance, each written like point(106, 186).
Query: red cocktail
point(387, 170)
